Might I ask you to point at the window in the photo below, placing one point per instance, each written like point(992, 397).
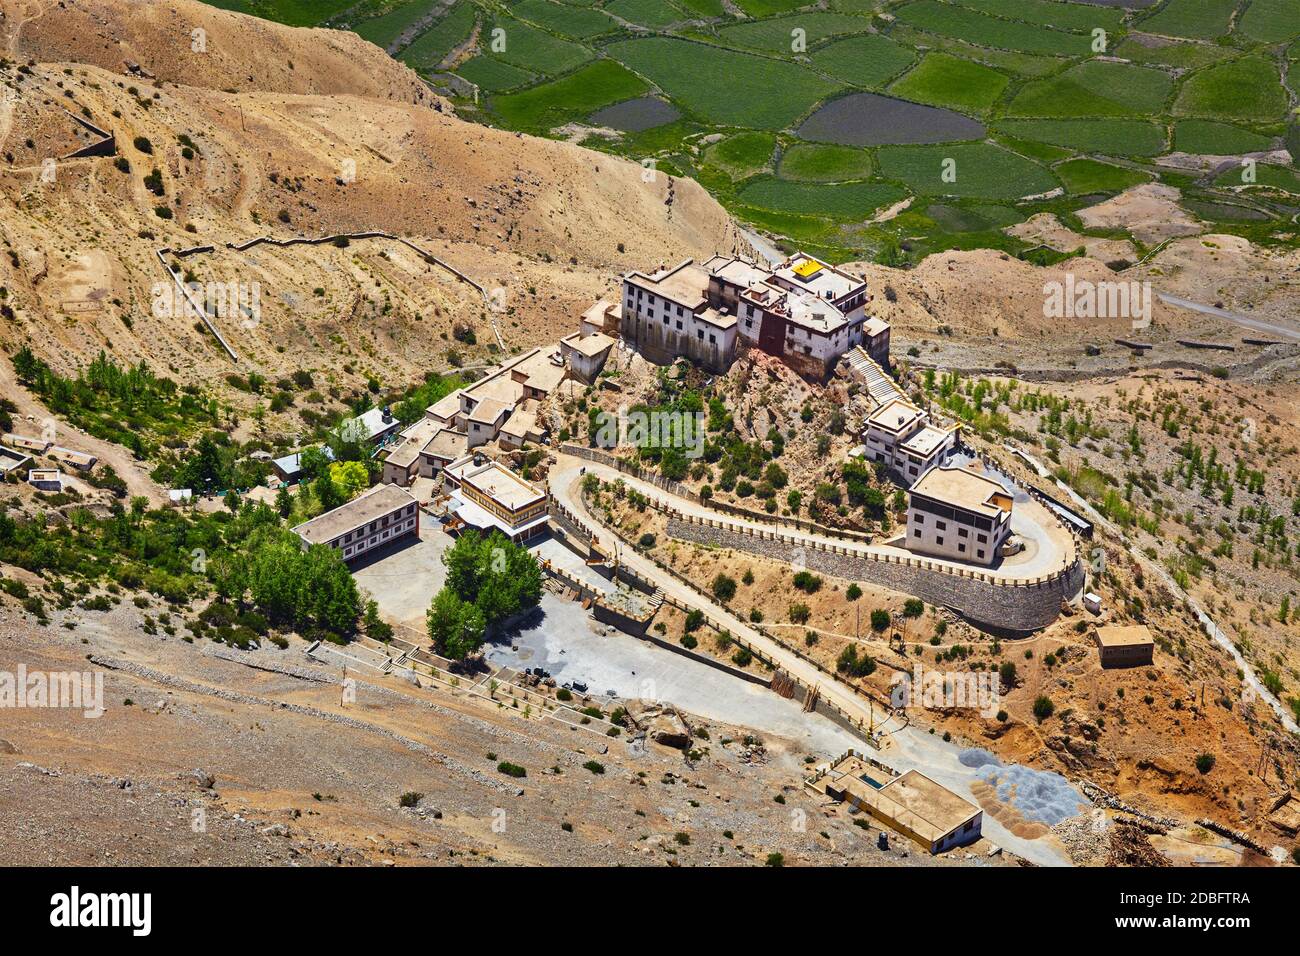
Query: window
point(920, 519)
point(982, 538)
point(963, 533)
point(961, 548)
point(916, 532)
point(938, 541)
point(979, 553)
point(941, 525)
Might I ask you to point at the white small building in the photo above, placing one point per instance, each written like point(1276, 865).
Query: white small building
point(485, 494)
point(585, 355)
point(374, 425)
point(377, 516)
point(955, 513)
point(45, 479)
point(900, 436)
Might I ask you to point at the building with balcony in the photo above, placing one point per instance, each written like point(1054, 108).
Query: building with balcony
point(955, 513)
point(377, 516)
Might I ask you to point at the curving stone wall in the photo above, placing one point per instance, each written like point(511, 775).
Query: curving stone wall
point(998, 607)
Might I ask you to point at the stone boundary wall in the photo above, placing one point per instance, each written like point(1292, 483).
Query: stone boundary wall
point(998, 605)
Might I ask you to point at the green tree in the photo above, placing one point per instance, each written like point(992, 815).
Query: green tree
point(455, 626)
point(350, 478)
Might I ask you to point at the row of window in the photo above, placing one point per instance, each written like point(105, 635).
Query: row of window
point(385, 535)
point(376, 525)
point(961, 547)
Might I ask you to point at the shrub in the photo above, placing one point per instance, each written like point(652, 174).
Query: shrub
point(1043, 707)
point(880, 619)
point(564, 694)
point(511, 769)
point(775, 859)
point(1008, 674)
point(410, 798)
point(595, 766)
point(683, 839)
point(799, 613)
point(913, 607)
point(1205, 762)
point(742, 657)
point(647, 540)
point(724, 587)
point(853, 592)
point(807, 582)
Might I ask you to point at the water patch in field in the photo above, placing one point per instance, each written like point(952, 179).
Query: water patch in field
point(633, 116)
point(869, 119)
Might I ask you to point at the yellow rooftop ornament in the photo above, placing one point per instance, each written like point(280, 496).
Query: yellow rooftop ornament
point(807, 268)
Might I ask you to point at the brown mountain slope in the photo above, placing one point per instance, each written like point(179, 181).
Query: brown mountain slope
point(233, 52)
point(542, 226)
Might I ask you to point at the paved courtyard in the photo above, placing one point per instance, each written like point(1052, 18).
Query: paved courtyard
point(403, 577)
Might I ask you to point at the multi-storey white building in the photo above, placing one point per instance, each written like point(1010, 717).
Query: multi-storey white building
point(383, 514)
point(900, 436)
point(955, 513)
point(804, 311)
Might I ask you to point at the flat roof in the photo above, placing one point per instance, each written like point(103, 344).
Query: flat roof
point(1124, 635)
point(496, 481)
point(489, 410)
point(292, 464)
point(405, 454)
point(446, 407)
point(685, 283)
point(938, 808)
point(446, 444)
point(542, 374)
point(895, 415)
point(926, 440)
point(874, 326)
point(821, 279)
point(589, 345)
point(960, 487)
point(522, 420)
point(366, 507)
point(370, 424)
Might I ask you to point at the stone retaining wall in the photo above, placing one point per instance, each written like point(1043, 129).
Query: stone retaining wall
point(999, 607)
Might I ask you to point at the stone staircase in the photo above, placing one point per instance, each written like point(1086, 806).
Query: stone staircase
point(880, 385)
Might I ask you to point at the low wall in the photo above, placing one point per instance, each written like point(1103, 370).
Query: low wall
point(1019, 607)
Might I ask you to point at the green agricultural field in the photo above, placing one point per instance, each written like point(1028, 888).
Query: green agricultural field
point(742, 155)
point(805, 162)
point(431, 47)
point(1217, 139)
point(1201, 19)
point(385, 30)
point(865, 61)
point(1084, 176)
point(1246, 90)
point(571, 97)
point(491, 75)
point(982, 171)
point(1082, 17)
point(530, 48)
point(767, 8)
point(1116, 137)
point(723, 86)
point(296, 13)
point(779, 35)
point(1285, 178)
point(1095, 88)
point(1184, 77)
point(574, 23)
point(1271, 21)
point(1181, 55)
point(846, 202)
point(963, 24)
point(647, 13)
point(943, 80)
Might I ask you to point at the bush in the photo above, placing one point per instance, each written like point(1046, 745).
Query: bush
point(694, 620)
point(1008, 674)
point(689, 642)
point(913, 607)
point(853, 592)
point(807, 582)
point(880, 619)
point(647, 540)
point(683, 839)
point(775, 859)
point(799, 613)
point(410, 798)
point(742, 657)
point(511, 769)
point(564, 694)
point(1205, 763)
point(1043, 707)
point(724, 587)
point(595, 767)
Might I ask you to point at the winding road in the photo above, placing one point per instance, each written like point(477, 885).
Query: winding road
point(902, 747)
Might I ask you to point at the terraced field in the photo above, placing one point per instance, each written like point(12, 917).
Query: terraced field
point(814, 122)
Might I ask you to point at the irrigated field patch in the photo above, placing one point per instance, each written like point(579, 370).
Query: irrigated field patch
point(1203, 19)
point(865, 61)
point(1095, 88)
point(779, 35)
point(843, 201)
point(1084, 176)
point(963, 24)
point(647, 13)
point(1217, 139)
point(806, 162)
point(723, 86)
point(943, 80)
point(742, 155)
point(576, 23)
point(532, 49)
point(980, 170)
point(1083, 17)
point(433, 45)
point(553, 104)
point(1118, 137)
point(1248, 89)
